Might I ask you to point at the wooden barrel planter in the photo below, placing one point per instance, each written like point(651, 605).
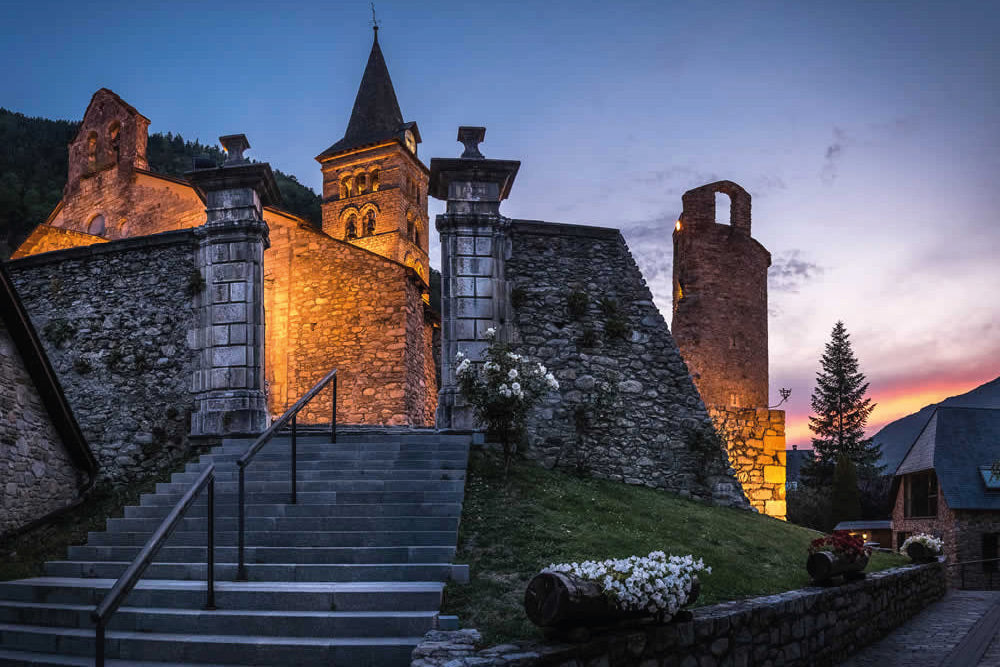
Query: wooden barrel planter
point(825, 565)
point(918, 553)
point(562, 600)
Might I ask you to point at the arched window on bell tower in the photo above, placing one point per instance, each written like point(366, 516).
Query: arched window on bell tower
point(370, 223)
point(374, 180)
point(92, 149)
point(351, 229)
point(362, 182)
point(114, 139)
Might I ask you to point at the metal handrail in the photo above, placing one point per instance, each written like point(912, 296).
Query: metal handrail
point(291, 415)
point(114, 598)
point(961, 572)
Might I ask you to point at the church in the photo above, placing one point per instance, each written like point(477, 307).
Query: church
point(352, 294)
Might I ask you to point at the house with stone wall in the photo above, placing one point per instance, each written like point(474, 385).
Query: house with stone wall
point(45, 462)
point(945, 486)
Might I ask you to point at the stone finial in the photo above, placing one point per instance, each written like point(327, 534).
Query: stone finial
point(471, 137)
point(234, 145)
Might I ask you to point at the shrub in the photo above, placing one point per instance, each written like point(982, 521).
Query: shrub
point(58, 331)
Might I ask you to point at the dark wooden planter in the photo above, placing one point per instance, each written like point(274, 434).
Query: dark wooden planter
point(561, 600)
point(918, 553)
point(825, 565)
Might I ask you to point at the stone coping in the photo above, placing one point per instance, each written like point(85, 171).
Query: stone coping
point(174, 237)
point(542, 228)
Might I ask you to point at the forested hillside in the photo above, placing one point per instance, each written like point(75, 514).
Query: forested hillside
point(33, 154)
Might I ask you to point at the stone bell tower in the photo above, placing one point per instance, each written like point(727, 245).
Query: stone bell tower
point(374, 185)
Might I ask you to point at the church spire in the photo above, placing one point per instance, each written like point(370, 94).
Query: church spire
point(376, 115)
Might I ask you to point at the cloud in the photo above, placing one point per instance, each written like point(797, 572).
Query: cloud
point(789, 272)
point(834, 152)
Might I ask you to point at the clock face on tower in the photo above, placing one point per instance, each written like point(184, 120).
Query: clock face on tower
point(411, 141)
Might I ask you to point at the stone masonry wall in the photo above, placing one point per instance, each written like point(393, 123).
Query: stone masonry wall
point(37, 472)
point(115, 321)
point(811, 627)
point(332, 305)
point(756, 443)
point(626, 408)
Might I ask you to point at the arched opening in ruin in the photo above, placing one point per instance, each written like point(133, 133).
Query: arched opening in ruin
point(723, 209)
point(114, 138)
point(96, 225)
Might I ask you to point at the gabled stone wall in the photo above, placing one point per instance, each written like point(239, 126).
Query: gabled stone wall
point(115, 320)
point(37, 475)
point(582, 308)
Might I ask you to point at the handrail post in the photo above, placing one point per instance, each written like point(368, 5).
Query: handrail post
point(99, 653)
point(241, 570)
point(210, 603)
point(333, 414)
point(295, 419)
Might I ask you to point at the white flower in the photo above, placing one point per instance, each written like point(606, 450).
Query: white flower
point(463, 366)
point(490, 333)
point(933, 544)
point(490, 366)
point(512, 374)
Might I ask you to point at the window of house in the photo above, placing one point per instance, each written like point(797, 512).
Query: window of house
point(990, 551)
point(921, 495)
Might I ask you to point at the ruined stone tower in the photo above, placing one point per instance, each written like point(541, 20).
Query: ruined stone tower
point(720, 299)
point(720, 326)
point(374, 185)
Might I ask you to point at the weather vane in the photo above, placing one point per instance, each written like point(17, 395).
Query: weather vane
point(374, 20)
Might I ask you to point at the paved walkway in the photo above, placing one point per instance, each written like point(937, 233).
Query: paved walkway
point(950, 632)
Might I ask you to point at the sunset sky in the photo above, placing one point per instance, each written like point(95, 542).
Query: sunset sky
point(866, 132)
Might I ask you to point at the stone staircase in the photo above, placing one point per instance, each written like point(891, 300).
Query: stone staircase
point(352, 574)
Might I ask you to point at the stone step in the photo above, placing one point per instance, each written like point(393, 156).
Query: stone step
point(345, 435)
point(187, 649)
point(265, 572)
point(254, 474)
point(315, 538)
point(21, 658)
point(285, 596)
point(228, 464)
point(253, 554)
point(230, 510)
point(307, 447)
point(257, 524)
point(372, 459)
point(318, 497)
point(226, 621)
point(335, 485)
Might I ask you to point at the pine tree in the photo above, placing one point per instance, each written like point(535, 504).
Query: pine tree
point(840, 407)
point(846, 502)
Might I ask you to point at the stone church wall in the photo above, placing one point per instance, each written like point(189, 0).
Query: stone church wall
point(46, 239)
point(115, 319)
point(332, 305)
point(38, 475)
point(626, 408)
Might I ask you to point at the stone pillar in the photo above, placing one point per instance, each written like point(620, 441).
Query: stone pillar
point(229, 385)
point(473, 249)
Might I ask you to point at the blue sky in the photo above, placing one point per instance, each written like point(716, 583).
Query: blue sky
point(867, 133)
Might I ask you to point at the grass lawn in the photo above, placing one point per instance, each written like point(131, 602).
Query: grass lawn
point(542, 517)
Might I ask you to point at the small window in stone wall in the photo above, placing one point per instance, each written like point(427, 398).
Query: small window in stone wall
point(96, 225)
point(362, 183)
point(374, 180)
point(370, 223)
point(990, 551)
point(351, 231)
point(114, 139)
point(734, 400)
point(92, 147)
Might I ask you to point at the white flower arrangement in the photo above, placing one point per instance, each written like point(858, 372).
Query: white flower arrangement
point(934, 545)
point(657, 583)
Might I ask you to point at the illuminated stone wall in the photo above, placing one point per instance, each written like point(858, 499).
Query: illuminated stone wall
point(756, 443)
point(333, 305)
point(46, 239)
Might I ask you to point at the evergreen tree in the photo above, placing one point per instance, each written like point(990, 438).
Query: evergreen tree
point(846, 502)
point(840, 407)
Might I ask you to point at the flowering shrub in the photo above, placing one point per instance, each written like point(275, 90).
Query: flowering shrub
point(657, 583)
point(503, 390)
point(933, 544)
point(841, 544)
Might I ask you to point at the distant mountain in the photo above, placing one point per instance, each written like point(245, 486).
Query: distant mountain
point(33, 156)
point(896, 437)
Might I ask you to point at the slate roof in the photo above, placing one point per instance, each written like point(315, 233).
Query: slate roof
point(376, 116)
point(794, 459)
point(956, 442)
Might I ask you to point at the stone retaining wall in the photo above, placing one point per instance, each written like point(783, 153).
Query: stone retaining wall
point(115, 320)
point(811, 626)
point(626, 408)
